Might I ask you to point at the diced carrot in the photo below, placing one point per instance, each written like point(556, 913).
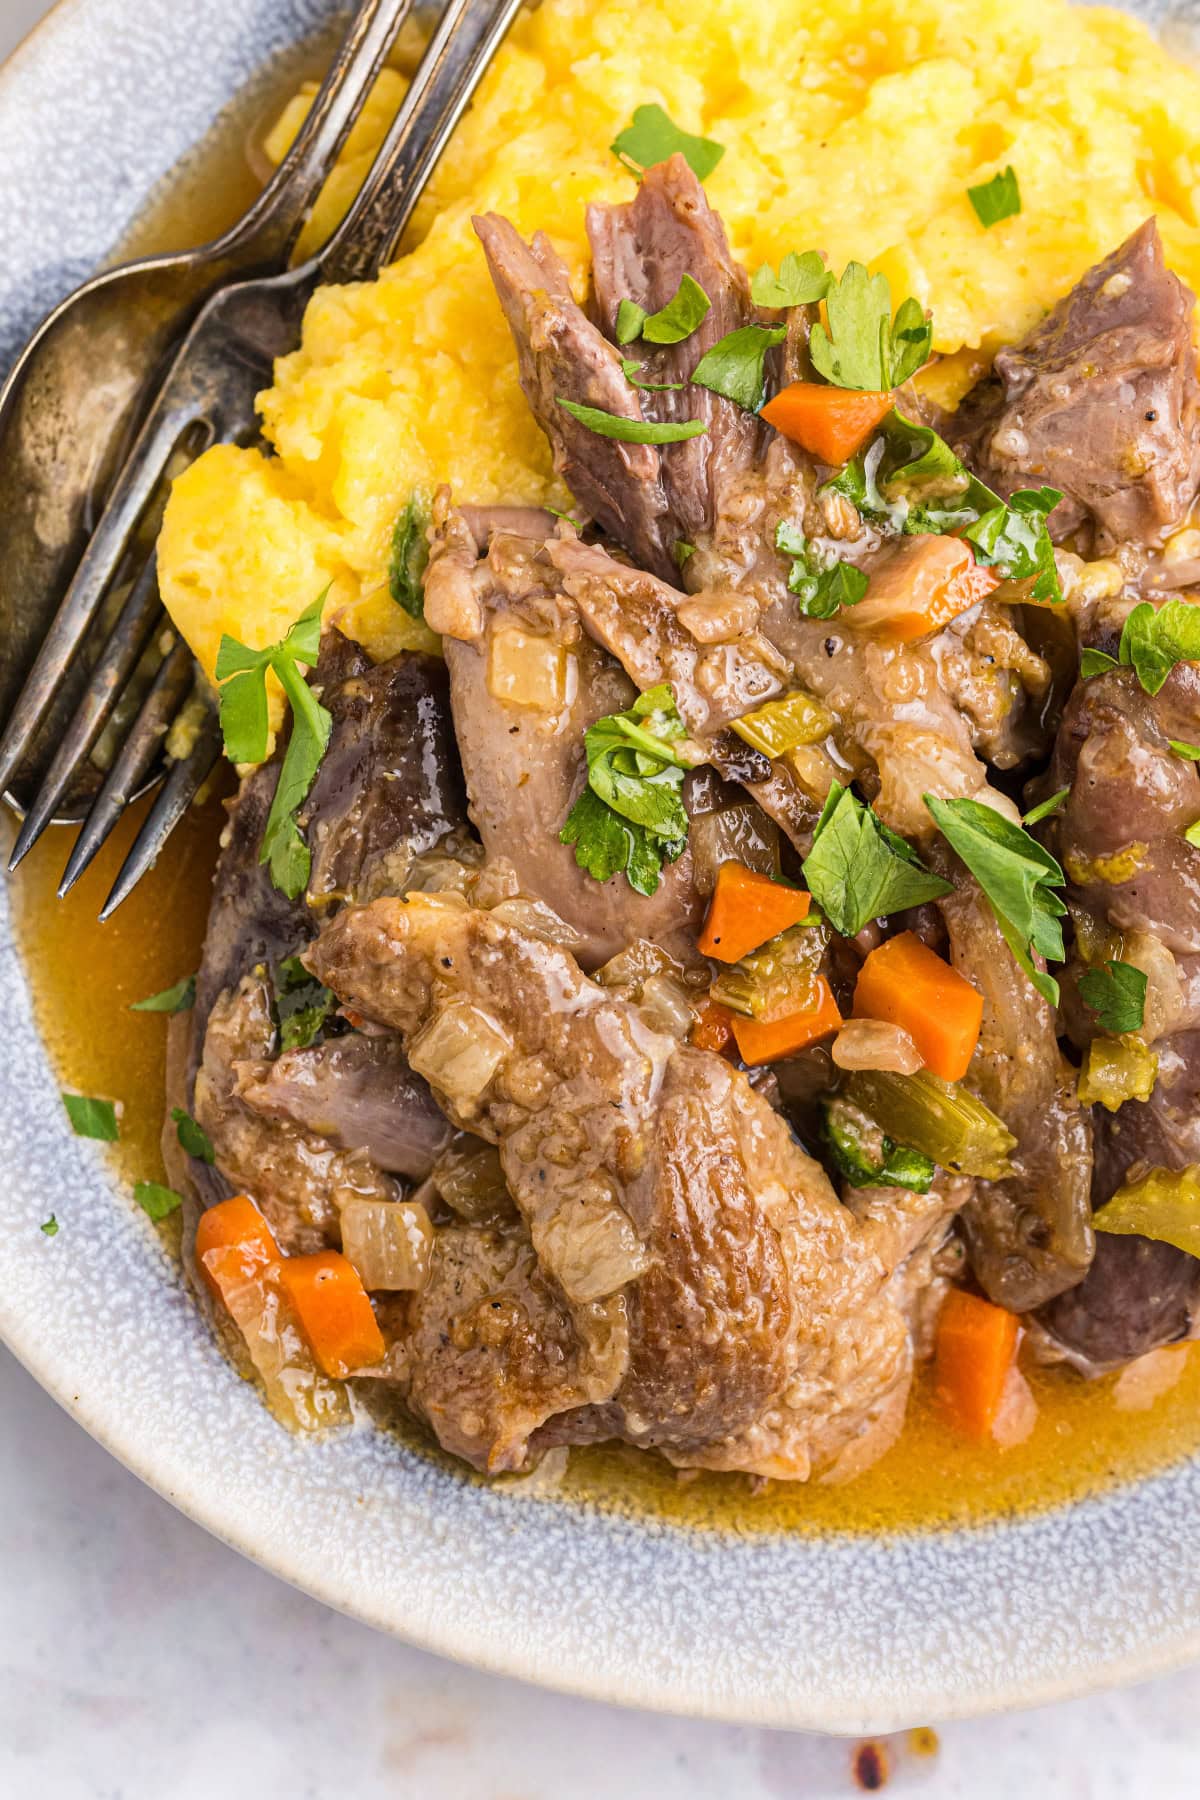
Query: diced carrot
point(918, 585)
point(830, 422)
point(976, 1344)
point(335, 1314)
point(747, 910)
point(234, 1243)
point(713, 1029)
point(765, 1043)
point(910, 985)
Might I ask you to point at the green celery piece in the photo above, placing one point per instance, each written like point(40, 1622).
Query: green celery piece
point(939, 1120)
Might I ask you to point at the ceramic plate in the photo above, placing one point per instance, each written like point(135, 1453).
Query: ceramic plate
point(843, 1634)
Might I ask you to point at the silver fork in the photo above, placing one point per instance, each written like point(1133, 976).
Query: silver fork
point(210, 392)
point(70, 401)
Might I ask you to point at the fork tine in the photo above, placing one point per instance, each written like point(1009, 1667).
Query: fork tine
point(132, 494)
point(176, 794)
point(133, 760)
point(138, 617)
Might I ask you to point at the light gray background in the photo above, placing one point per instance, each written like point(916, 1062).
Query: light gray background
point(142, 1660)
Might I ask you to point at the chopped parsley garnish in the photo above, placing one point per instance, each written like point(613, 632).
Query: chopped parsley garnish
point(1045, 809)
point(653, 136)
point(177, 999)
point(1096, 662)
point(1116, 994)
point(156, 1201)
point(633, 431)
point(92, 1118)
point(410, 554)
point(909, 480)
point(683, 551)
point(302, 1005)
point(1154, 640)
point(999, 198)
point(821, 590)
point(192, 1137)
point(631, 818)
point(684, 311)
point(1190, 752)
point(1192, 835)
point(243, 673)
point(802, 280)
point(630, 319)
point(49, 1227)
point(858, 870)
point(1018, 878)
point(863, 346)
point(630, 371)
point(735, 367)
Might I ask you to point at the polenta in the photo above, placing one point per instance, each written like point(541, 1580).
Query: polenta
point(855, 129)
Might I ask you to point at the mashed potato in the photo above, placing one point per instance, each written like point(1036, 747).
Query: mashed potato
point(854, 128)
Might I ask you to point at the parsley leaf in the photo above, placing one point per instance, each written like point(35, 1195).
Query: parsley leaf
point(156, 1201)
point(735, 367)
point(858, 870)
point(192, 1137)
point(177, 999)
point(677, 320)
point(909, 480)
point(630, 319)
point(631, 815)
point(1190, 752)
point(821, 590)
point(632, 431)
point(630, 371)
point(1018, 878)
point(92, 1118)
point(801, 281)
point(863, 346)
point(652, 137)
point(410, 554)
point(1117, 996)
point(999, 198)
point(302, 1004)
point(1154, 640)
point(49, 1228)
point(1096, 662)
point(1192, 835)
point(243, 673)
point(1045, 809)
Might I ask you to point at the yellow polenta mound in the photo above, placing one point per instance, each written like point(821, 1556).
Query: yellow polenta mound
point(854, 128)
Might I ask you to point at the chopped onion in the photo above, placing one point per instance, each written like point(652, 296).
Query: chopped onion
point(590, 1246)
point(470, 1180)
point(524, 670)
point(459, 1051)
point(1164, 990)
point(633, 967)
point(1145, 1380)
point(390, 1243)
point(872, 1044)
point(537, 920)
point(741, 834)
point(298, 1394)
point(665, 1006)
point(1017, 1413)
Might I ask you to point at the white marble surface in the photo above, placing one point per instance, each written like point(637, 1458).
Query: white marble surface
point(142, 1660)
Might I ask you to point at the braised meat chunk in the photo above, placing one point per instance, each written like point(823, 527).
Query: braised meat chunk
point(1101, 400)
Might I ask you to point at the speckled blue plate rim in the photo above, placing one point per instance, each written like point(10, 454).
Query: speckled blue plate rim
point(835, 1633)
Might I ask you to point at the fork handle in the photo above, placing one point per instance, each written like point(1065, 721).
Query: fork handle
point(460, 50)
point(270, 228)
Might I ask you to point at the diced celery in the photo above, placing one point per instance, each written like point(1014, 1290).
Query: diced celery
point(939, 1119)
point(1163, 1204)
point(778, 980)
point(784, 724)
point(866, 1157)
point(1116, 1070)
